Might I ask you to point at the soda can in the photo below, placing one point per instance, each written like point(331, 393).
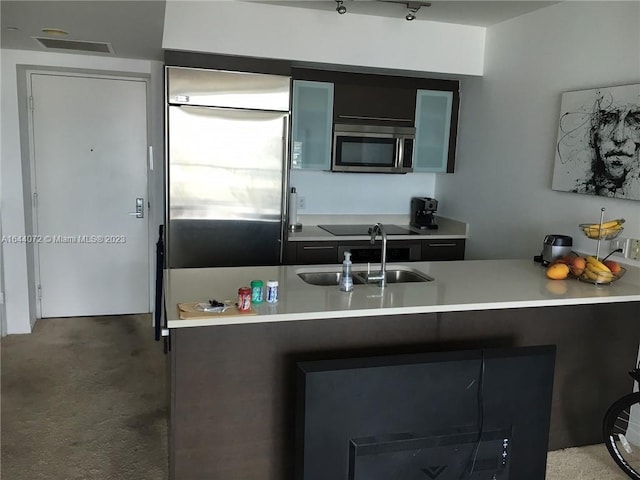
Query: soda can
point(272, 291)
point(244, 299)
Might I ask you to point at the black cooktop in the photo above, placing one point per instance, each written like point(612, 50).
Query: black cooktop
point(357, 230)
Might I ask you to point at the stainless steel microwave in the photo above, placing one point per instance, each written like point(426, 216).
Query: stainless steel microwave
point(372, 149)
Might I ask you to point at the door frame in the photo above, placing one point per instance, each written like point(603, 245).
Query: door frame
point(3, 314)
point(34, 266)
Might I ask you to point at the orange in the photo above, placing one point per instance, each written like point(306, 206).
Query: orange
point(558, 271)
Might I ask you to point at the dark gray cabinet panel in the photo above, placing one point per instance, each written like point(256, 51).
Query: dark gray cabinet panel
point(310, 253)
point(443, 249)
point(362, 251)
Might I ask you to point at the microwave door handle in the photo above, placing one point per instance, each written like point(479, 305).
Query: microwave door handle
point(399, 153)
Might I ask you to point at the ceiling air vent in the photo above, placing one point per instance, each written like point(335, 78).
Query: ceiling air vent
point(75, 45)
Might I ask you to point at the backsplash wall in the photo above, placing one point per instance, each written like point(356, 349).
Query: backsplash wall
point(359, 193)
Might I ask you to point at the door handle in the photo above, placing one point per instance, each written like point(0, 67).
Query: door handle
point(139, 213)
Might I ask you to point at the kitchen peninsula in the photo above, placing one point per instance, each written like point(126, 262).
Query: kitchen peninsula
point(233, 377)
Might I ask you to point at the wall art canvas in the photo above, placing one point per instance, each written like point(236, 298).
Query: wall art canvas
point(598, 147)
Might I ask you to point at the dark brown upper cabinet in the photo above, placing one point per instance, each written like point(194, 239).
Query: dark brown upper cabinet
point(383, 105)
point(429, 105)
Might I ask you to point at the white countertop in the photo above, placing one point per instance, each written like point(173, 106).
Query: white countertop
point(457, 286)
point(447, 228)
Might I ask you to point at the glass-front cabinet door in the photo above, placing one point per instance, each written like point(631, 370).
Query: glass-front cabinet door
point(433, 126)
point(311, 125)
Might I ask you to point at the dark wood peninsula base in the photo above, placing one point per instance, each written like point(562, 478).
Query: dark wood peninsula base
point(232, 387)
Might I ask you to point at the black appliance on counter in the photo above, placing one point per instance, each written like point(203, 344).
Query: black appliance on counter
point(422, 211)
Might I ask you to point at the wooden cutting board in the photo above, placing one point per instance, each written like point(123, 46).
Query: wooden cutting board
point(189, 310)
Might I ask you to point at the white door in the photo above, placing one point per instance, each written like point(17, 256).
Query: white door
point(89, 140)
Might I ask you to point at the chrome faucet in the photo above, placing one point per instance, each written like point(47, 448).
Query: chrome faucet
point(382, 275)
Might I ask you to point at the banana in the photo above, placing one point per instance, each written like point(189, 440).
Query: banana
point(595, 230)
point(601, 273)
point(597, 276)
point(589, 275)
point(596, 265)
point(617, 223)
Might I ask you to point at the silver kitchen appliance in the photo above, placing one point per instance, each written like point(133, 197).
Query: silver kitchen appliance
point(556, 246)
point(372, 148)
point(227, 136)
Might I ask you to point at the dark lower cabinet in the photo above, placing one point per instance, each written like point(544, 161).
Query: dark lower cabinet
point(433, 250)
point(362, 251)
point(310, 253)
point(233, 387)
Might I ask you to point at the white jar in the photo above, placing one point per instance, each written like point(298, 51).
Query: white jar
point(272, 291)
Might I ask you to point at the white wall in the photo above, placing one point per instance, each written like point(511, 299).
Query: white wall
point(299, 34)
point(359, 193)
point(509, 122)
point(18, 277)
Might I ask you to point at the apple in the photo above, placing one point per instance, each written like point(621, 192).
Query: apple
point(613, 266)
point(577, 265)
point(565, 260)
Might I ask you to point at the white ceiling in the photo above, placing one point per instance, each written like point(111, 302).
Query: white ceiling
point(475, 12)
point(134, 28)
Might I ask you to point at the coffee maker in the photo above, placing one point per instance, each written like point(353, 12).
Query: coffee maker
point(422, 210)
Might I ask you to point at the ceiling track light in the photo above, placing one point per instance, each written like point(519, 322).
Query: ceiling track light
point(340, 8)
point(413, 9)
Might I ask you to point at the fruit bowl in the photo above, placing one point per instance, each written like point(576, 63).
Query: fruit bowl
point(601, 278)
point(596, 232)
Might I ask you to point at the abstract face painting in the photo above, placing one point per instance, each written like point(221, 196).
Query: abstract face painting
point(598, 147)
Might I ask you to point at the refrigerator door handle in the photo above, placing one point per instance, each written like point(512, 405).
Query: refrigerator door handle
point(285, 166)
point(285, 184)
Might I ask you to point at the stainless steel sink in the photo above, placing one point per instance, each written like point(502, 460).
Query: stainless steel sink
point(324, 278)
point(359, 278)
point(397, 276)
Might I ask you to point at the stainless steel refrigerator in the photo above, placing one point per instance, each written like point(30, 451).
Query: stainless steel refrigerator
point(226, 164)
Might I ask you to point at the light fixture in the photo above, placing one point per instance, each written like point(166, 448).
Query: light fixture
point(54, 32)
point(414, 7)
point(340, 8)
